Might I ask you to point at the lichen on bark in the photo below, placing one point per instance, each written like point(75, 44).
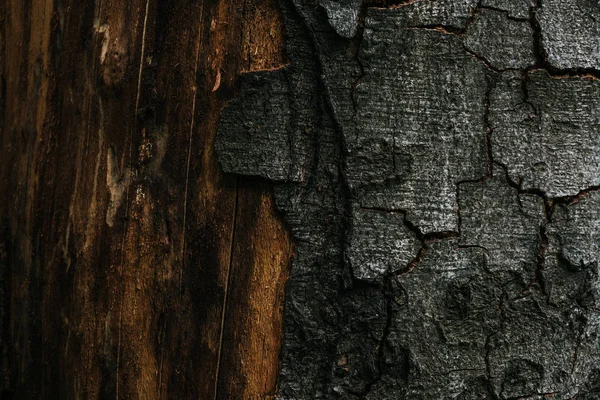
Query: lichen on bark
point(441, 190)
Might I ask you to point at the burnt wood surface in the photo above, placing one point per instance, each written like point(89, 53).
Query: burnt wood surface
point(438, 164)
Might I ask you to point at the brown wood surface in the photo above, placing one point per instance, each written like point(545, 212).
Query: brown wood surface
point(131, 266)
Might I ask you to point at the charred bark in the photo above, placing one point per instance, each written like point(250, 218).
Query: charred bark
point(438, 164)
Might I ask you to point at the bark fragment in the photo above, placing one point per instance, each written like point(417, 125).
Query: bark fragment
point(343, 15)
point(440, 12)
point(577, 229)
point(254, 134)
point(496, 218)
point(570, 33)
point(505, 43)
point(380, 243)
point(573, 297)
point(444, 311)
point(546, 131)
point(515, 8)
point(409, 156)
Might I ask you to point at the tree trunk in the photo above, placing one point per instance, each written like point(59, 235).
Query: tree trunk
point(131, 266)
point(436, 163)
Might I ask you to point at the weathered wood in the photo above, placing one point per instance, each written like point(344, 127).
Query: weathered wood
point(252, 334)
point(118, 227)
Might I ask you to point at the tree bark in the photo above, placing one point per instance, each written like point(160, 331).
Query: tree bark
point(131, 266)
point(436, 164)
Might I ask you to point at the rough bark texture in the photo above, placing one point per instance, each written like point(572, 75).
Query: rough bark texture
point(130, 265)
point(437, 163)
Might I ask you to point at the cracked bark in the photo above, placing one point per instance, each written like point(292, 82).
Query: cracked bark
point(440, 181)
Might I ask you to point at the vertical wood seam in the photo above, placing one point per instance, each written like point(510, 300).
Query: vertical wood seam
point(189, 153)
point(139, 86)
point(141, 69)
point(231, 254)
point(227, 282)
